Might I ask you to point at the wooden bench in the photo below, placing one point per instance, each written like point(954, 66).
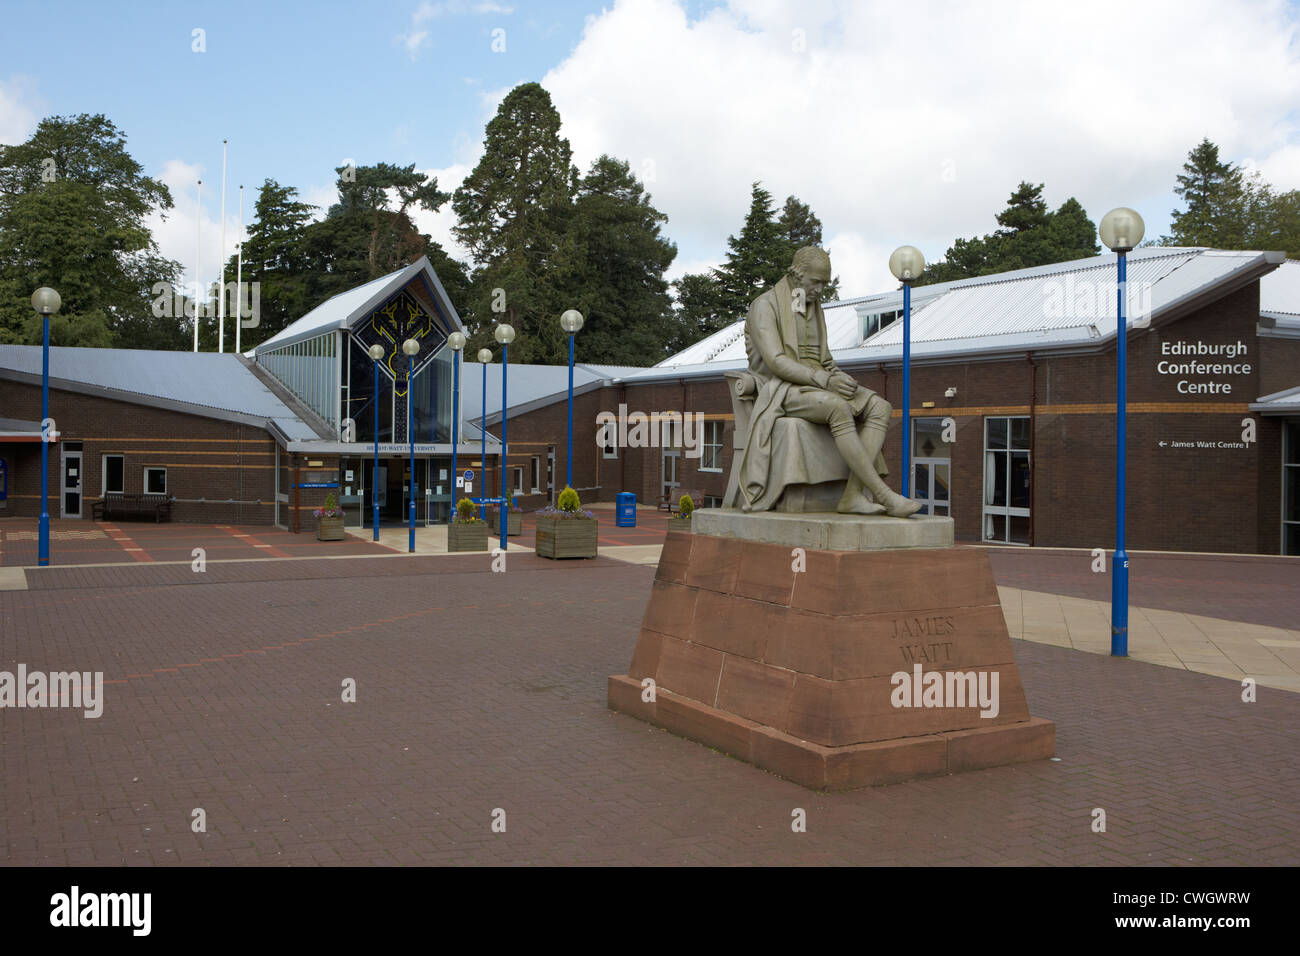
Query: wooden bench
point(132, 507)
point(672, 503)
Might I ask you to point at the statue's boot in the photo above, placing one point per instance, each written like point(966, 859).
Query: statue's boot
point(859, 451)
point(855, 502)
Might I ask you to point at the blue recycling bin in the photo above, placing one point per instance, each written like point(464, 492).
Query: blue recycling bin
point(625, 510)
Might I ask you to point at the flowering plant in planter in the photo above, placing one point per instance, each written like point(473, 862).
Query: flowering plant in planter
point(682, 520)
point(329, 520)
point(566, 530)
point(467, 531)
point(465, 513)
point(513, 516)
point(330, 509)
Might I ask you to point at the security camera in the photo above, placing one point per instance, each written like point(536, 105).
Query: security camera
point(950, 393)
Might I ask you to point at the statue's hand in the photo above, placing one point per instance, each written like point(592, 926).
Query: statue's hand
point(844, 384)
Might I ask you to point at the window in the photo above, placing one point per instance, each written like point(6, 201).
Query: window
point(518, 480)
point(608, 440)
point(873, 323)
point(1006, 480)
point(535, 467)
point(155, 481)
point(114, 475)
point(711, 460)
point(711, 501)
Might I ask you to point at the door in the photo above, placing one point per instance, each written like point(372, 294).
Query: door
point(71, 496)
point(670, 483)
point(931, 467)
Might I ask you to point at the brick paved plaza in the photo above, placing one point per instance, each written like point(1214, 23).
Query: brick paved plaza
point(478, 691)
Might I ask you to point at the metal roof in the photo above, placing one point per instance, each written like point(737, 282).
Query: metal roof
point(528, 384)
point(1279, 292)
point(348, 307)
point(1053, 306)
point(216, 384)
point(1279, 403)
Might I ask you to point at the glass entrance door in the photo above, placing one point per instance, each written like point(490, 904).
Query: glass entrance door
point(71, 496)
point(670, 484)
point(931, 467)
point(1006, 480)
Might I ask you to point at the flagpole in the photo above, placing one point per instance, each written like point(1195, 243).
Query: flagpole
point(239, 273)
point(198, 245)
point(221, 291)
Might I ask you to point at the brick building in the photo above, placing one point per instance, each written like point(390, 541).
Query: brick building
point(1013, 404)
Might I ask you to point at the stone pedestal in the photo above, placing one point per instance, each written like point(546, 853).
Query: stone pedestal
point(818, 663)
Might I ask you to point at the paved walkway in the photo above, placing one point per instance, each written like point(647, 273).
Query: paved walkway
point(481, 693)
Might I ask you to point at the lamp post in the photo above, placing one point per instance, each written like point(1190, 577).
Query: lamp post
point(46, 302)
point(505, 334)
point(412, 348)
point(1121, 230)
point(376, 353)
point(571, 322)
point(457, 342)
point(907, 264)
point(484, 357)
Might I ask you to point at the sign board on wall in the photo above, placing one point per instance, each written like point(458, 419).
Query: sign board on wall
point(1196, 368)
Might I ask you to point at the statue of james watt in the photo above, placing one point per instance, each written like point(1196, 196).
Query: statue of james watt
point(789, 357)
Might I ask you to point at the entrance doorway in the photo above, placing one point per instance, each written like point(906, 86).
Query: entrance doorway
point(70, 498)
point(931, 467)
point(672, 459)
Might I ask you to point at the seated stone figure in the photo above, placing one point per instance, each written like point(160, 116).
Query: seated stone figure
point(792, 376)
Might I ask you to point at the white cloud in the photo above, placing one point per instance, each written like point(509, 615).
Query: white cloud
point(914, 128)
point(177, 236)
point(18, 109)
point(415, 38)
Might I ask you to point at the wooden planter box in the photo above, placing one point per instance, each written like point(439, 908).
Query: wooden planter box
point(566, 537)
point(515, 525)
point(330, 529)
point(467, 537)
point(679, 524)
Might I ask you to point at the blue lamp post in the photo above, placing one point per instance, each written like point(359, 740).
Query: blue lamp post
point(457, 342)
point(505, 334)
point(411, 348)
point(1121, 230)
point(907, 264)
point(45, 301)
point(376, 353)
point(571, 322)
point(484, 357)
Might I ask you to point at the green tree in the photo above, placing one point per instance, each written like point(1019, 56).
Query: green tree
point(275, 257)
point(1030, 235)
point(512, 213)
point(611, 268)
point(756, 259)
point(73, 211)
point(1215, 194)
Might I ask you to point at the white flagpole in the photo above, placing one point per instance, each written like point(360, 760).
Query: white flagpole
point(198, 245)
point(239, 274)
point(221, 292)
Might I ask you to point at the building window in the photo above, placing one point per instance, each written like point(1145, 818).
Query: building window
point(535, 467)
point(518, 479)
point(711, 501)
point(608, 440)
point(1006, 480)
point(114, 472)
point(155, 481)
point(874, 322)
point(711, 460)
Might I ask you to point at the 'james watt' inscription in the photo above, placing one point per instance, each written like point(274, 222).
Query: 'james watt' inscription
point(912, 629)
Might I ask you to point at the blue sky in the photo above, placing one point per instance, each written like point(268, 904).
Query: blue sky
point(899, 125)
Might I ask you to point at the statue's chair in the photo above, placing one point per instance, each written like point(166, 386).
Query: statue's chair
point(807, 471)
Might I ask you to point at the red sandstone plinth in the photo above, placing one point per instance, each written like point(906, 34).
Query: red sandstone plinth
point(794, 671)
